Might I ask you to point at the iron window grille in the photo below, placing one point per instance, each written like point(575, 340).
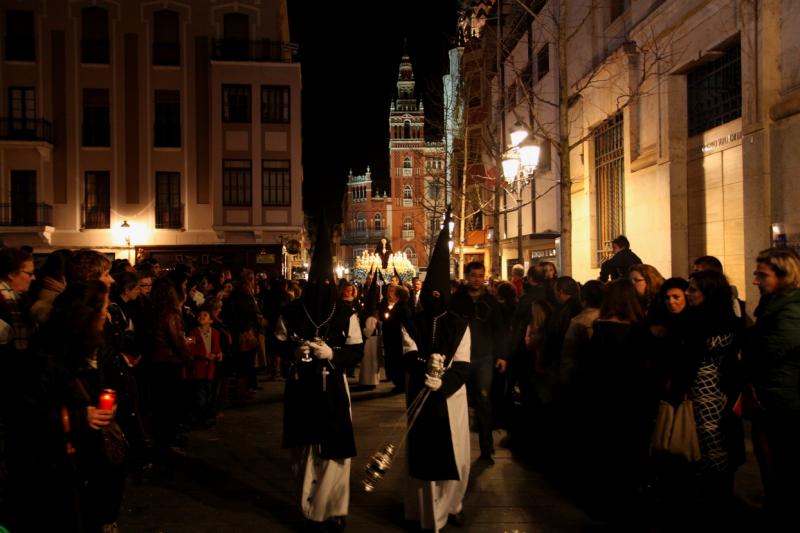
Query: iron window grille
point(609, 155)
point(714, 91)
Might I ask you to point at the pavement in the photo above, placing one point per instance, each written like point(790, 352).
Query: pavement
point(236, 478)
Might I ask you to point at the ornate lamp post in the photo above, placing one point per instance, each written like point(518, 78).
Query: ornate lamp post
point(519, 165)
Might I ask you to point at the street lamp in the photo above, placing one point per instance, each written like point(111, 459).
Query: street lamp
point(519, 164)
point(126, 236)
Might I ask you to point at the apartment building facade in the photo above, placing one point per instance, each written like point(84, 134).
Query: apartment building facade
point(138, 125)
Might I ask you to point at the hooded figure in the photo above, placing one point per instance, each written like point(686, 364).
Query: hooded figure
point(384, 250)
point(321, 339)
point(438, 442)
point(369, 374)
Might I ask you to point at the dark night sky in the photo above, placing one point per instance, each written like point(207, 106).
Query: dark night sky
point(350, 57)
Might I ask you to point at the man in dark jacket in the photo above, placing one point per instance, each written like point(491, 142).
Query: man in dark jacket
point(623, 259)
point(488, 351)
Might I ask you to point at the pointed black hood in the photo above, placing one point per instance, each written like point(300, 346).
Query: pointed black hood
point(320, 294)
point(322, 261)
point(437, 278)
point(372, 299)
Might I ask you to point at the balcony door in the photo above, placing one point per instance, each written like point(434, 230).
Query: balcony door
point(23, 197)
point(236, 32)
point(22, 107)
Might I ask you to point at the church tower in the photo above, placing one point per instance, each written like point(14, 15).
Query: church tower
point(407, 166)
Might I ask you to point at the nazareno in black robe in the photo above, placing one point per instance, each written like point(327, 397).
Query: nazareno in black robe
point(312, 415)
point(430, 444)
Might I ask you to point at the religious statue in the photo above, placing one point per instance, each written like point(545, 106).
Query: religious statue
point(384, 250)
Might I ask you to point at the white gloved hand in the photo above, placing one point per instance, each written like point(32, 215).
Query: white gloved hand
point(322, 350)
point(433, 383)
point(436, 364)
point(302, 351)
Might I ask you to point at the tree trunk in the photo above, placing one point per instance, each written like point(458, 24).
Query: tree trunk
point(563, 148)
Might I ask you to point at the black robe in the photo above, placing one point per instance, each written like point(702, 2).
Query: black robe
point(311, 415)
point(430, 444)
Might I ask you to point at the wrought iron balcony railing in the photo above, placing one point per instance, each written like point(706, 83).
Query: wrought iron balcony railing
point(363, 236)
point(262, 50)
point(26, 214)
point(26, 129)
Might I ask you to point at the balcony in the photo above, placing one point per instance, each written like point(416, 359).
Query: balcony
point(169, 216)
point(408, 235)
point(262, 50)
point(362, 237)
point(26, 129)
point(26, 215)
point(95, 216)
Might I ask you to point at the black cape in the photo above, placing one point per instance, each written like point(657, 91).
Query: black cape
point(430, 444)
point(312, 415)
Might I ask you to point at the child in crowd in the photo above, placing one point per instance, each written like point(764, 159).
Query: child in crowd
point(205, 351)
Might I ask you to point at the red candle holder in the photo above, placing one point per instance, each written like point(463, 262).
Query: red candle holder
point(107, 399)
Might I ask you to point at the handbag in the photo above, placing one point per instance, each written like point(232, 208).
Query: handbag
point(675, 432)
point(248, 341)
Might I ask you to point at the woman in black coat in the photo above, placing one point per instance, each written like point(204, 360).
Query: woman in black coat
point(708, 372)
point(61, 479)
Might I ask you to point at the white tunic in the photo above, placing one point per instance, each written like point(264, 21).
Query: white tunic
point(431, 502)
point(324, 484)
point(370, 370)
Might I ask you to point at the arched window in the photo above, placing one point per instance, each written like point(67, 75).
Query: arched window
point(377, 222)
point(407, 162)
point(361, 223)
point(407, 129)
point(166, 38)
point(411, 255)
point(94, 35)
point(408, 223)
point(408, 193)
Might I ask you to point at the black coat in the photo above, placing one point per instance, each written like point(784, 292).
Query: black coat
point(430, 449)
point(312, 415)
point(618, 265)
point(489, 332)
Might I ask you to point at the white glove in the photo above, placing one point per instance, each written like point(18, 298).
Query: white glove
point(433, 383)
point(322, 350)
point(436, 364)
point(302, 351)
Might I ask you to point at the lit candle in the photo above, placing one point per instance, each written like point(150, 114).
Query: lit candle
point(107, 399)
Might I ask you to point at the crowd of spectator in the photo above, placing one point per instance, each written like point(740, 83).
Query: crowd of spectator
point(575, 372)
point(104, 369)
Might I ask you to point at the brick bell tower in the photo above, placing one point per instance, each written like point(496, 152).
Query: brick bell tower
point(407, 166)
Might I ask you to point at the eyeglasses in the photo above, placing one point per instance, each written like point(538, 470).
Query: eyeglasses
point(28, 272)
